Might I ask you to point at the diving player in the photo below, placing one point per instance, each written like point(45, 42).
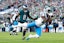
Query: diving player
point(37, 23)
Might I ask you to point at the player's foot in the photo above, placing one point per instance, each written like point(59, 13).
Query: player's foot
point(27, 38)
point(10, 34)
point(15, 34)
point(23, 38)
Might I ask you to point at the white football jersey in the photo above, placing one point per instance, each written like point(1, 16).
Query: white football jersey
point(40, 20)
point(13, 16)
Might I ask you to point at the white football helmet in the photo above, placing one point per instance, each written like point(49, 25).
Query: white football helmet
point(49, 11)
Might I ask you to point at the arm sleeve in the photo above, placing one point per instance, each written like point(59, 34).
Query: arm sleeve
point(31, 17)
point(14, 17)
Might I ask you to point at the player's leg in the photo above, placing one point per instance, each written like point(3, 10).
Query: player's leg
point(28, 26)
point(11, 30)
point(38, 31)
point(24, 33)
point(50, 27)
point(37, 35)
point(23, 25)
point(15, 31)
point(32, 24)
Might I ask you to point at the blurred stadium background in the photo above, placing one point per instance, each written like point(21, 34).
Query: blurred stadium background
point(57, 7)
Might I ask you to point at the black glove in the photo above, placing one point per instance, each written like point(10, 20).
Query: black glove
point(35, 18)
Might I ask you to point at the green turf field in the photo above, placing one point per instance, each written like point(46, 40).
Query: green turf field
point(45, 38)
